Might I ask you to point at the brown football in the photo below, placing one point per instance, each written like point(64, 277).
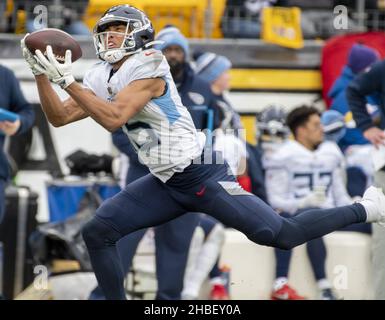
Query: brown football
point(59, 40)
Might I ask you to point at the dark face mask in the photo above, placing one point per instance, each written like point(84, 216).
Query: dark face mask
point(176, 68)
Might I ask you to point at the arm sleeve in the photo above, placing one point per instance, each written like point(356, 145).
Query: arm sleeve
point(20, 105)
point(363, 85)
point(278, 188)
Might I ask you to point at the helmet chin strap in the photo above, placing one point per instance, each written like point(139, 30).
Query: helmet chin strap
point(113, 56)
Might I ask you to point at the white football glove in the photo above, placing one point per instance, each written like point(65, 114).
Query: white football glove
point(59, 73)
point(30, 58)
point(314, 199)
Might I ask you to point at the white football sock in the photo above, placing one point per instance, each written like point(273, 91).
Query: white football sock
point(205, 261)
point(323, 284)
point(279, 283)
point(194, 250)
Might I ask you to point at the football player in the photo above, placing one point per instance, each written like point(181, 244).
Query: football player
point(132, 88)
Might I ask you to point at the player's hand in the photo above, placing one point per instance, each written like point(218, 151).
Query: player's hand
point(10, 128)
point(29, 57)
point(59, 73)
point(314, 199)
point(375, 136)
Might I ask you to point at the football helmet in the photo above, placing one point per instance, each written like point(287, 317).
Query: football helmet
point(271, 124)
point(139, 33)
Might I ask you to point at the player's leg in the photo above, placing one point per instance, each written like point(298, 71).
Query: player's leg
point(208, 224)
point(282, 258)
point(315, 223)
point(216, 274)
point(215, 271)
point(197, 240)
point(316, 251)
point(126, 249)
point(207, 257)
point(228, 203)
point(142, 204)
point(215, 238)
point(172, 241)
point(281, 289)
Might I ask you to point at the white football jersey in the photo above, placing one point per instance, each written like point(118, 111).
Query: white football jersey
point(163, 132)
point(294, 171)
point(233, 150)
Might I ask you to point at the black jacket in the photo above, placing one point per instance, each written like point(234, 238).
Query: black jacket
point(365, 84)
point(12, 99)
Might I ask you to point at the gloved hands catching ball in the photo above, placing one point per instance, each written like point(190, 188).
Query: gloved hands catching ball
point(53, 60)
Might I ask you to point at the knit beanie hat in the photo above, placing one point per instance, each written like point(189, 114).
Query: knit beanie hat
point(360, 57)
point(333, 123)
point(210, 66)
point(170, 36)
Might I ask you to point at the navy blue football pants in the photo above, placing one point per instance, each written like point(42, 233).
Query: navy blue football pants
point(316, 251)
point(172, 243)
point(149, 202)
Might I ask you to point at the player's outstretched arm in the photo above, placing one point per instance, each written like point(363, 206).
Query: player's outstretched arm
point(59, 113)
point(127, 103)
point(111, 115)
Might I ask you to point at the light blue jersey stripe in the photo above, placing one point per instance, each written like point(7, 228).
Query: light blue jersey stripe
point(168, 106)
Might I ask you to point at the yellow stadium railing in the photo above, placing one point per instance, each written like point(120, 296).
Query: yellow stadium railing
point(188, 16)
point(195, 18)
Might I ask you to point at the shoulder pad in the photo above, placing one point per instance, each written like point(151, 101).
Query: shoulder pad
point(150, 56)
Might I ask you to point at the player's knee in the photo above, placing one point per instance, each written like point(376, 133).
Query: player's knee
point(288, 237)
point(284, 244)
point(263, 237)
point(97, 234)
point(282, 239)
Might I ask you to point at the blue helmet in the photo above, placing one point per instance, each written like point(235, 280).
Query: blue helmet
point(139, 32)
point(334, 126)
